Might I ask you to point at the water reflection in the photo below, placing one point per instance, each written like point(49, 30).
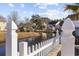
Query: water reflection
point(29, 40)
point(2, 51)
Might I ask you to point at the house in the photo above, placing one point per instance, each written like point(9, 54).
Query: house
point(73, 17)
point(2, 23)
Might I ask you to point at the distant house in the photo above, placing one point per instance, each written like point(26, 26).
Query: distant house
point(73, 16)
point(2, 23)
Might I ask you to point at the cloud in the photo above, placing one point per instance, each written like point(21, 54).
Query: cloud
point(22, 5)
point(24, 12)
point(41, 5)
point(44, 5)
point(11, 5)
point(54, 14)
point(56, 4)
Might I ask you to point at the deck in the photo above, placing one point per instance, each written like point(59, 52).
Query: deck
point(55, 51)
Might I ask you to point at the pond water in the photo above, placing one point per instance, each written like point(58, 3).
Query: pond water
point(2, 50)
point(29, 40)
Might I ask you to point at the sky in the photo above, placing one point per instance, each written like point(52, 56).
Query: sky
point(52, 11)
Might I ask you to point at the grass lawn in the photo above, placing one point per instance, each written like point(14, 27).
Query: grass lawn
point(20, 35)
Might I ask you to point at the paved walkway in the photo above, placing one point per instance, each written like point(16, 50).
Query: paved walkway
point(55, 51)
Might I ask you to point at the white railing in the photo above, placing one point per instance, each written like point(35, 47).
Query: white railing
point(39, 49)
point(42, 48)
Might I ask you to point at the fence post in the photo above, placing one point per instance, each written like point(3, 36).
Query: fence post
point(11, 39)
point(68, 39)
point(23, 48)
point(33, 48)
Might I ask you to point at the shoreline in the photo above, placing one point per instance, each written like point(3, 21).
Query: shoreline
point(21, 35)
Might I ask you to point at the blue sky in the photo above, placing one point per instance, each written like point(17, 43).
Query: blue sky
point(53, 11)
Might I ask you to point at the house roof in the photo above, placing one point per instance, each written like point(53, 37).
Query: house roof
point(2, 19)
point(73, 16)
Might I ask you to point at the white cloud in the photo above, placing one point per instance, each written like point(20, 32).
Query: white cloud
point(11, 5)
point(24, 12)
point(44, 5)
point(54, 14)
point(41, 5)
point(22, 5)
point(56, 4)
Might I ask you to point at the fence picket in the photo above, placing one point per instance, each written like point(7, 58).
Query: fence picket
point(40, 47)
point(36, 48)
point(32, 48)
point(42, 50)
point(45, 49)
point(29, 50)
point(24, 50)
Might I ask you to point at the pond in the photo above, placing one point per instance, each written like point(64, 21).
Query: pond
point(2, 50)
point(29, 40)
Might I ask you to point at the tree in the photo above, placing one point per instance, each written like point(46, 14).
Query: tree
point(39, 22)
point(36, 19)
point(21, 27)
point(26, 19)
point(2, 18)
point(13, 16)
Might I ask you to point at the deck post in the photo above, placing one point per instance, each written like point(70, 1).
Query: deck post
point(23, 47)
point(67, 39)
point(11, 39)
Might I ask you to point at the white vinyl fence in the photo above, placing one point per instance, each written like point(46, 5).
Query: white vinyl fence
point(39, 49)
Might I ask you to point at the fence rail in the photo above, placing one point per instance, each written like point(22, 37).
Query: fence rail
point(39, 49)
point(42, 48)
